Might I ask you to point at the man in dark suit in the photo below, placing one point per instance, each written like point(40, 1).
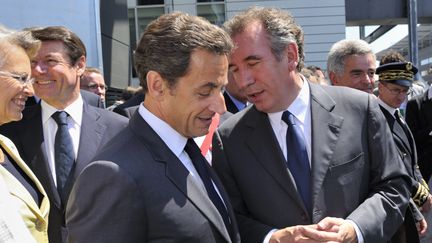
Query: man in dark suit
point(235, 99)
point(306, 161)
point(419, 119)
point(56, 68)
point(395, 81)
point(151, 183)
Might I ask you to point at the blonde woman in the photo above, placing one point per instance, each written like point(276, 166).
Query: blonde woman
point(25, 191)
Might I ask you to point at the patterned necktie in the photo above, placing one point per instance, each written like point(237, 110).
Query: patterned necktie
point(63, 152)
point(203, 169)
point(297, 159)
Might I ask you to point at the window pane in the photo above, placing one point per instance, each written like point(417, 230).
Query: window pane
point(144, 16)
point(149, 2)
point(207, 1)
point(215, 13)
point(132, 28)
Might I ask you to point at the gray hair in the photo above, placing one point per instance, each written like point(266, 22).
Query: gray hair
point(280, 25)
point(22, 39)
point(344, 48)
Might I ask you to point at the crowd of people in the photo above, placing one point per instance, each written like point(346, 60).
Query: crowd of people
point(231, 138)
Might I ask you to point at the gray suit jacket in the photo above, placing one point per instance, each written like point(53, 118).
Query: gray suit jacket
point(355, 173)
point(97, 128)
point(137, 190)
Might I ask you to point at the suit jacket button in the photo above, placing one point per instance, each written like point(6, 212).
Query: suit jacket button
point(40, 225)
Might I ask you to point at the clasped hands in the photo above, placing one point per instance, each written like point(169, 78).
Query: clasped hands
point(329, 230)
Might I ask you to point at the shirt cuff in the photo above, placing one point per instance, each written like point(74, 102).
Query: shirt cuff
point(357, 230)
point(268, 236)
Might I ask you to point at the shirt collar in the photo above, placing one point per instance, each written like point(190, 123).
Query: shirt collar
point(387, 107)
point(298, 107)
point(240, 105)
point(430, 92)
point(174, 140)
point(75, 110)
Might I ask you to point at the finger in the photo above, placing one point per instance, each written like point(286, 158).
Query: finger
point(330, 224)
point(319, 235)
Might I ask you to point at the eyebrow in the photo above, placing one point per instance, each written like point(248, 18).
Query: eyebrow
point(248, 58)
point(252, 58)
point(208, 85)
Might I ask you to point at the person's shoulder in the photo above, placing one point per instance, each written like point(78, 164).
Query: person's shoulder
point(107, 116)
point(341, 91)
point(91, 98)
point(240, 119)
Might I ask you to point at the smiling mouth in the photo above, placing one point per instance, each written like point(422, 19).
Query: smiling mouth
point(44, 82)
point(20, 101)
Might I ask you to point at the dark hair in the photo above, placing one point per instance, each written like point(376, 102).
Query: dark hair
point(168, 42)
point(75, 47)
point(280, 25)
point(392, 56)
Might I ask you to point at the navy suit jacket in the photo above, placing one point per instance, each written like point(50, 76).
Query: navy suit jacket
point(230, 106)
point(137, 190)
point(97, 128)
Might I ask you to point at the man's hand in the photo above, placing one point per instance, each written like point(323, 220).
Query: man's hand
point(333, 230)
point(422, 227)
point(427, 205)
point(291, 234)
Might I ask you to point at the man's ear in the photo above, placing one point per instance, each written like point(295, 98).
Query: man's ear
point(81, 66)
point(333, 78)
point(156, 85)
point(292, 55)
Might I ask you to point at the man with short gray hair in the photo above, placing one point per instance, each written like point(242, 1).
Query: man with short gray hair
point(351, 63)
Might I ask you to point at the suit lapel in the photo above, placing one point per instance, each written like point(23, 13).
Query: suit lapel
point(17, 188)
point(270, 157)
point(231, 107)
point(92, 131)
point(178, 174)
point(34, 154)
point(323, 143)
point(398, 132)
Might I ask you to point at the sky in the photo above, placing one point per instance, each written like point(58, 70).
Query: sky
point(385, 41)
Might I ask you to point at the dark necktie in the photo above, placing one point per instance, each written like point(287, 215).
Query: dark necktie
point(297, 159)
point(63, 152)
point(405, 127)
point(203, 170)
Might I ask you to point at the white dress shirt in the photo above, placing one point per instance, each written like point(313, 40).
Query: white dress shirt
point(301, 109)
point(176, 143)
point(174, 140)
point(75, 111)
point(387, 107)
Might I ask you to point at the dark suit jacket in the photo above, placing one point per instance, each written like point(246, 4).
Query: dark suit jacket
point(408, 154)
point(355, 170)
point(137, 190)
point(230, 106)
point(134, 101)
point(419, 119)
point(97, 128)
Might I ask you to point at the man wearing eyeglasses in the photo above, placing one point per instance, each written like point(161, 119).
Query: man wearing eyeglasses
point(93, 81)
point(395, 82)
point(60, 135)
